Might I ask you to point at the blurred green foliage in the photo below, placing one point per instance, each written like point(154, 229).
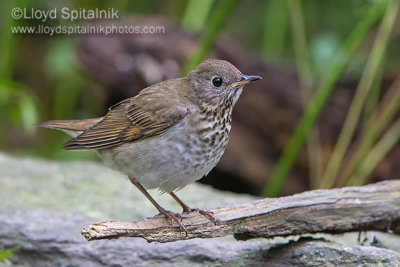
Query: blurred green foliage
point(5, 255)
point(318, 101)
point(325, 40)
point(211, 31)
point(367, 79)
point(275, 38)
point(196, 15)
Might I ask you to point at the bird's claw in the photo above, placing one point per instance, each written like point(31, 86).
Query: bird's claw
point(174, 217)
point(208, 214)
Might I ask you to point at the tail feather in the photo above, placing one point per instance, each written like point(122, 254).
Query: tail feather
point(69, 125)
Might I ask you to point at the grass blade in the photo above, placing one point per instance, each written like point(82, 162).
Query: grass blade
point(196, 14)
point(275, 29)
point(388, 108)
point(306, 84)
point(217, 20)
point(367, 79)
point(380, 150)
point(318, 101)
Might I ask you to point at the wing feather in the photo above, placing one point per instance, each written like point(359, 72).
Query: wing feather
point(126, 122)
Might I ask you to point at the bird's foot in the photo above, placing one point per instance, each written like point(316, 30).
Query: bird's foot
point(174, 217)
point(208, 214)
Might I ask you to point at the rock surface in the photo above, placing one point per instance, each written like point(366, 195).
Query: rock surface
point(44, 205)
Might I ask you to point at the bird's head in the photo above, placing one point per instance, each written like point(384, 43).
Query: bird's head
point(217, 82)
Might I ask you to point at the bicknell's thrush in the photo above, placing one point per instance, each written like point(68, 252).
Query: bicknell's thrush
point(169, 135)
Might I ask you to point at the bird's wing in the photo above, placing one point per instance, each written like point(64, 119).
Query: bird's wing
point(128, 121)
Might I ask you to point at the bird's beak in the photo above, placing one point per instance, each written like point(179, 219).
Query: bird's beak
point(245, 80)
point(248, 78)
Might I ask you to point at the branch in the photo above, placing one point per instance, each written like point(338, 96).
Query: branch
point(370, 207)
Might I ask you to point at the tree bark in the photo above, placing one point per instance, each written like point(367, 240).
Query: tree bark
point(370, 207)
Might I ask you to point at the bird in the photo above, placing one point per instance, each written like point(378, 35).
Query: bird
point(169, 135)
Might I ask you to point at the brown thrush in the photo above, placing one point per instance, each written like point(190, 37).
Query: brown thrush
point(169, 135)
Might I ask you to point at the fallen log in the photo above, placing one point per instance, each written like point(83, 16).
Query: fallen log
point(370, 207)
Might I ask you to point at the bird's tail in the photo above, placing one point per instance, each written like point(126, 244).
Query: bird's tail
point(70, 126)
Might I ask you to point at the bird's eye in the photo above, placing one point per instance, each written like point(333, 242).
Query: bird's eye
point(217, 81)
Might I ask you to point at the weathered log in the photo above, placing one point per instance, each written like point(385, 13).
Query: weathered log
point(370, 207)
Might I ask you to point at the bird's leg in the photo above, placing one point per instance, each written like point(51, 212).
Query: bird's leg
point(187, 209)
point(173, 217)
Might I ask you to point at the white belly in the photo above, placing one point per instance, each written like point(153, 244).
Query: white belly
point(169, 161)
